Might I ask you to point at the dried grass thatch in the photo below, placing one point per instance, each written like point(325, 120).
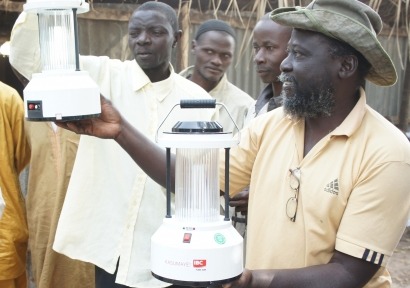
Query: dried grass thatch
point(395, 13)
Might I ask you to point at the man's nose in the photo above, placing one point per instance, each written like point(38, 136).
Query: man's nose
point(143, 38)
point(259, 57)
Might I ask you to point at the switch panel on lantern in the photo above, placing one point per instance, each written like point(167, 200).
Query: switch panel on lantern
point(34, 109)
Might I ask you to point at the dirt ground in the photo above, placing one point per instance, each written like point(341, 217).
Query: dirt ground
point(399, 264)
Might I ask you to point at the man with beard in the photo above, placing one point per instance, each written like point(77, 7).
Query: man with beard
point(112, 208)
point(213, 49)
point(328, 175)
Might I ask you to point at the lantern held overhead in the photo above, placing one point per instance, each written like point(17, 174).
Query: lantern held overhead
point(61, 91)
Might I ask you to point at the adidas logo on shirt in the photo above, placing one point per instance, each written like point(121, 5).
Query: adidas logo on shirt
point(333, 187)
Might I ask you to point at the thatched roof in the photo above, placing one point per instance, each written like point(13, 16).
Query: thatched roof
point(395, 13)
point(239, 13)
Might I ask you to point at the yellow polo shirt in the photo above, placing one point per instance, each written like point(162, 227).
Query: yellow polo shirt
point(354, 191)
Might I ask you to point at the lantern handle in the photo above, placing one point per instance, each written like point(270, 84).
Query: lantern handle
point(230, 116)
point(197, 103)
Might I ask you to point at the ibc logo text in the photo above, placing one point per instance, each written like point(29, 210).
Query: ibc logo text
point(199, 263)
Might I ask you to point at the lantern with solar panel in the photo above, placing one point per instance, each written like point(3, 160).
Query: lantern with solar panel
point(197, 246)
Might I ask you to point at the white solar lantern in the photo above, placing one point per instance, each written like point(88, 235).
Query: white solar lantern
point(61, 91)
point(197, 246)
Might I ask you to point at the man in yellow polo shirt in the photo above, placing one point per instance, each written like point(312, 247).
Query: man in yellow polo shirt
point(329, 190)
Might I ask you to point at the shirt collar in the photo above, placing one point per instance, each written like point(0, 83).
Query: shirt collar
point(140, 79)
point(350, 124)
point(263, 98)
point(218, 91)
point(187, 72)
point(353, 121)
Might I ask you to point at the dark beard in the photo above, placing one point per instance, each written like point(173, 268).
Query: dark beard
point(312, 101)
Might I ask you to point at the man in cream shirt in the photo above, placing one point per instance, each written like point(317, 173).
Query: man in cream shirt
point(112, 207)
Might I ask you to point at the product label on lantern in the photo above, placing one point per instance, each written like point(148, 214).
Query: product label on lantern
point(199, 263)
point(177, 263)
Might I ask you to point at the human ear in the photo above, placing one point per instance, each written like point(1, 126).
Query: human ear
point(348, 67)
point(177, 37)
point(193, 46)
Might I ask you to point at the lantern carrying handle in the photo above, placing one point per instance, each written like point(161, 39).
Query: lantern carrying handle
point(197, 103)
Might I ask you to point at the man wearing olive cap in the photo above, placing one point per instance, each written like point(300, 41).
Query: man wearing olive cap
point(329, 190)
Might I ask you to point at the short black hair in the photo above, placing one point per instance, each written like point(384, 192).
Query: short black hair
point(163, 8)
point(214, 25)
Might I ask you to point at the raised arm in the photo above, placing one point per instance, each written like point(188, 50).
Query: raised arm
point(25, 45)
point(110, 125)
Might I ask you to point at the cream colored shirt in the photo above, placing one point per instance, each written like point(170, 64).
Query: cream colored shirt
point(236, 101)
point(111, 207)
point(53, 151)
point(354, 191)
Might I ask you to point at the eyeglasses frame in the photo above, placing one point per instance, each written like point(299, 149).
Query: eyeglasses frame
point(295, 190)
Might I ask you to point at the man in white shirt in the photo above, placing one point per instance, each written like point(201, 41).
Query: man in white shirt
point(112, 207)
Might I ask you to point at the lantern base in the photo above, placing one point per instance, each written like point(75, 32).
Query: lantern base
point(196, 254)
point(61, 96)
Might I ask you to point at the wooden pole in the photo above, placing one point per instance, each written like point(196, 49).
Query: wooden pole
point(183, 46)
